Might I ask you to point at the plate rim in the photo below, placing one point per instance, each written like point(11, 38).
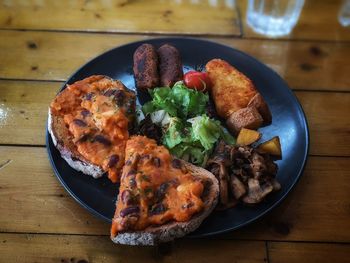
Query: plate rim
point(304, 123)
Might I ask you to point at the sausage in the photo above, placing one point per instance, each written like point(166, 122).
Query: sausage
point(170, 65)
point(146, 67)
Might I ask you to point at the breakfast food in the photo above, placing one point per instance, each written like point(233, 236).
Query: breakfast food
point(197, 80)
point(259, 103)
point(162, 194)
point(231, 90)
point(247, 117)
point(244, 174)
point(146, 67)
point(170, 65)
point(236, 98)
point(156, 67)
point(272, 147)
point(160, 197)
point(89, 122)
point(247, 137)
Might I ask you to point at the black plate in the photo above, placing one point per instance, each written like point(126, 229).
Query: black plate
point(289, 123)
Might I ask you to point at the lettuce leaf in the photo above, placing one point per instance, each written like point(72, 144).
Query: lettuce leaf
point(188, 132)
point(208, 131)
point(189, 102)
point(193, 140)
point(161, 100)
point(178, 101)
point(175, 133)
point(191, 153)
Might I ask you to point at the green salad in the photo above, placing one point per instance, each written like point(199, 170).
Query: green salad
point(187, 131)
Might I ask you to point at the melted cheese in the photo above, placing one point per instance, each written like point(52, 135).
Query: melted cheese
point(156, 186)
point(97, 112)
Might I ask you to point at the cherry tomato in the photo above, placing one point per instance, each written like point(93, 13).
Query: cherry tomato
point(197, 80)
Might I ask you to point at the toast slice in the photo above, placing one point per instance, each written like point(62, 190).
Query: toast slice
point(179, 196)
point(63, 141)
point(88, 123)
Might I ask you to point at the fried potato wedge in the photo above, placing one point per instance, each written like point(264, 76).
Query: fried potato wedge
point(248, 117)
point(247, 137)
point(259, 103)
point(272, 147)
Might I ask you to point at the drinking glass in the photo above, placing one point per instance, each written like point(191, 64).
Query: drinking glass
point(273, 18)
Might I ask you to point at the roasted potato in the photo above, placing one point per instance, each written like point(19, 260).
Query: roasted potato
point(248, 117)
point(247, 137)
point(259, 103)
point(272, 147)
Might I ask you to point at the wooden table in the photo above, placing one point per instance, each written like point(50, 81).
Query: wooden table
point(43, 42)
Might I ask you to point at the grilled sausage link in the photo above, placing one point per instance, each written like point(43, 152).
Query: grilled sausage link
point(170, 65)
point(146, 67)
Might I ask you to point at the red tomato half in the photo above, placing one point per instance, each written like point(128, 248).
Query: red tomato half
point(197, 80)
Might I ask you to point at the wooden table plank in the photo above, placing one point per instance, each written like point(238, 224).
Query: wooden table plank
point(329, 122)
point(152, 16)
point(84, 249)
point(318, 21)
point(318, 209)
point(310, 253)
point(23, 111)
point(34, 201)
point(53, 56)
point(24, 105)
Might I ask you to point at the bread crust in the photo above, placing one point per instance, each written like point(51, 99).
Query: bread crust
point(158, 234)
point(62, 140)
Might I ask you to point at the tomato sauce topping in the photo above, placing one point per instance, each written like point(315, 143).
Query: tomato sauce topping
point(155, 188)
point(98, 112)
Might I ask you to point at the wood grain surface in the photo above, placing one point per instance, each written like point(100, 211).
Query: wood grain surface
point(151, 16)
point(44, 42)
point(311, 253)
point(85, 249)
point(305, 65)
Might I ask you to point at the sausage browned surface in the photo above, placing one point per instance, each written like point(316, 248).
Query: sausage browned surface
point(170, 65)
point(146, 67)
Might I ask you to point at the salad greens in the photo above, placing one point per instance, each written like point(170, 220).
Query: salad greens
point(178, 101)
point(188, 132)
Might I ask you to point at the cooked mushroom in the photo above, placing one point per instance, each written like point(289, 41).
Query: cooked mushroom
point(223, 178)
point(219, 165)
point(256, 192)
point(243, 174)
point(258, 165)
point(237, 187)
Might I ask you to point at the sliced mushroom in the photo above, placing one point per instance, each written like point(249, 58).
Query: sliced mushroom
point(256, 192)
point(258, 165)
point(237, 187)
point(218, 165)
point(223, 184)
